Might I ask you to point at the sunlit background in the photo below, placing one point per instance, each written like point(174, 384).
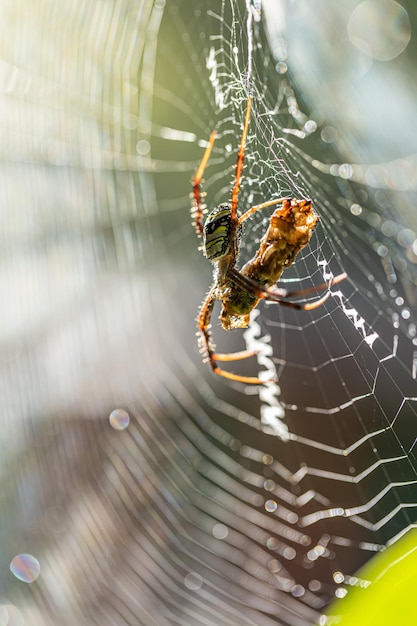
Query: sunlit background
point(137, 487)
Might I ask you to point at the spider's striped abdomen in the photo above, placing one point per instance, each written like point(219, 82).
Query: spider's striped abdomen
point(218, 232)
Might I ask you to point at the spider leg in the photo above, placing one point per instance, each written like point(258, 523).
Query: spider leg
point(197, 208)
point(207, 345)
point(235, 356)
point(258, 207)
point(239, 164)
point(279, 295)
point(321, 287)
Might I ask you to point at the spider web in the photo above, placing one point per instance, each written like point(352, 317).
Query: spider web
point(218, 504)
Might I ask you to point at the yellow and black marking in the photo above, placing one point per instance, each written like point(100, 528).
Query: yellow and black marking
point(217, 232)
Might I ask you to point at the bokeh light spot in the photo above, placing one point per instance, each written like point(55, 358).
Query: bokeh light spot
point(10, 616)
point(119, 419)
point(380, 29)
point(193, 581)
point(25, 567)
point(220, 531)
point(271, 506)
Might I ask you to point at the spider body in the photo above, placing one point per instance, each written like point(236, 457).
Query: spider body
point(290, 229)
point(221, 237)
point(239, 291)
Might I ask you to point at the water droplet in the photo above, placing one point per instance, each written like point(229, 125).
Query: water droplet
point(382, 250)
point(329, 134)
point(10, 616)
point(314, 585)
point(298, 591)
point(289, 553)
point(272, 543)
point(143, 147)
point(356, 209)
point(380, 29)
point(25, 567)
point(312, 555)
point(281, 67)
point(292, 518)
point(193, 581)
point(310, 126)
point(340, 593)
point(130, 121)
point(271, 506)
point(256, 499)
point(220, 531)
point(345, 171)
point(245, 451)
point(119, 419)
point(389, 228)
point(338, 577)
point(274, 566)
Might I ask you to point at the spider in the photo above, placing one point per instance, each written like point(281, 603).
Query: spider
point(290, 228)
